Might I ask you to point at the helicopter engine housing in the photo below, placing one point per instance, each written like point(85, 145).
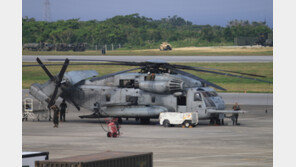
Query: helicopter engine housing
point(173, 85)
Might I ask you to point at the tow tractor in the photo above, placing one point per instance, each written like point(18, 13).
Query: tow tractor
point(187, 119)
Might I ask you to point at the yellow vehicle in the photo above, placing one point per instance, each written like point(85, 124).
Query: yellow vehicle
point(165, 46)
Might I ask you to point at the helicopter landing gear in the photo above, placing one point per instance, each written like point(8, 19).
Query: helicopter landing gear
point(216, 121)
point(145, 120)
point(212, 122)
point(234, 119)
point(120, 120)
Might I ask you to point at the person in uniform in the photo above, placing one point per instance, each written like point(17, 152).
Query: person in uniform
point(152, 77)
point(63, 107)
point(148, 77)
point(236, 107)
point(56, 113)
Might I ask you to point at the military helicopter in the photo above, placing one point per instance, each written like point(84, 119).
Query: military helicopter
point(157, 87)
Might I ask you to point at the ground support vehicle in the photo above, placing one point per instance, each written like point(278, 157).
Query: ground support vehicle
point(165, 46)
point(187, 119)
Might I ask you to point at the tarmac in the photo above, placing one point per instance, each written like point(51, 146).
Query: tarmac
point(249, 144)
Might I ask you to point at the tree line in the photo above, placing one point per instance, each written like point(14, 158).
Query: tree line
point(135, 31)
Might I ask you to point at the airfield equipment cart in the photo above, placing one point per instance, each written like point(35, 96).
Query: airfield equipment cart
point(114, 128)
point(178, 118)
point(30, 111)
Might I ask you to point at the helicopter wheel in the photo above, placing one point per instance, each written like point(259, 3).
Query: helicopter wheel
point(120, 120)
point(212, 122)
point(218, 121)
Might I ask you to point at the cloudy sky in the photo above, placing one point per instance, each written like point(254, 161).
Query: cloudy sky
point(213, 12)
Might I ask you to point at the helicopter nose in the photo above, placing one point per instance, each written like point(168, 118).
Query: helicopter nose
point(220, 103)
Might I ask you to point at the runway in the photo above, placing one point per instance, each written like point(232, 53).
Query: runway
point(180, 59)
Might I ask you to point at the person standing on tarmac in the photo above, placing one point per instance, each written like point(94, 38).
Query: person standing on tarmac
point(63, 107)
point(56, 113)
point(236, 107)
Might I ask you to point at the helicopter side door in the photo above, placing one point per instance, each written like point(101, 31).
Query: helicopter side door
point(195, 103)
point(181, 103)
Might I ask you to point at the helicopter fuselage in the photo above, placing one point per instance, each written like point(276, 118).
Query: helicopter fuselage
point(138, 95)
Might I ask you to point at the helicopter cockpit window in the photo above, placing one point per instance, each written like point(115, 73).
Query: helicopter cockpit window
point(108, 97)
point(127, 83)
point(197, 97)
point(210, 94)
point(208, 101)
point(213, 94)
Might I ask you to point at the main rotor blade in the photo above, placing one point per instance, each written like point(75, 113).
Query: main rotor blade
point(197, 78)
point(113, 74)
point(76, 64)
point(205, 68)
point(232, 75)
point(127, 63)
point(62, 72)
point(45, 69)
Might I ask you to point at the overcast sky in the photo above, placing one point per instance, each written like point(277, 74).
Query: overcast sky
point(213, 12)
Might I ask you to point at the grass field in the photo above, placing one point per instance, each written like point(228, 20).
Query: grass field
point(37, 75)
point(186, 51)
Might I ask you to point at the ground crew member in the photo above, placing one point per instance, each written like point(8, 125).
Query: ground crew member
point(56, 113)
point(63, 107)
point(148, 77)
point(152, 77)
point(236, 107)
